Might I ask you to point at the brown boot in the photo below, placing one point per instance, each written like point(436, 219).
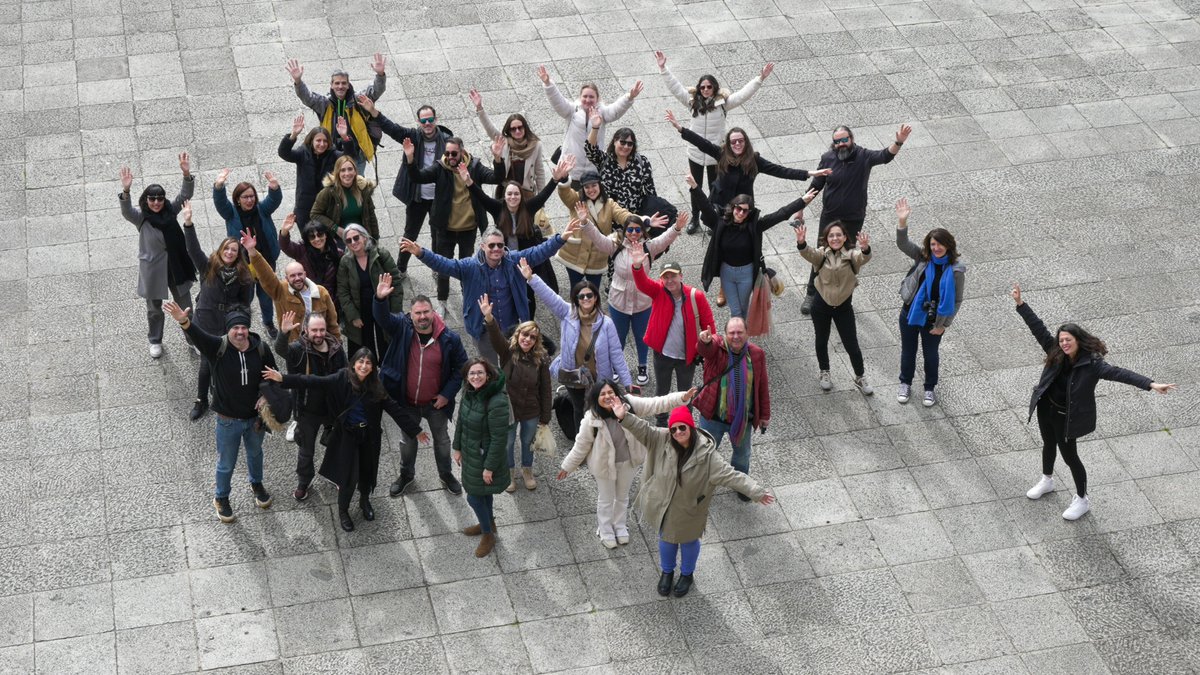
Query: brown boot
point(486, 543)
point(512, 485)
point(530, 482)
point(720, 297)
point(476, 530)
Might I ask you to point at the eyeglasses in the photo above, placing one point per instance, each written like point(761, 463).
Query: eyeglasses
point(426, 120)
point(679, 428)
point(741, 209)
point(452, 153)
point(351, 240)
point(627, 143)
point(155, 198)
point(840, 141)
point(737, 141)
point(586, 296)
point(516, 127)
point(495, 245)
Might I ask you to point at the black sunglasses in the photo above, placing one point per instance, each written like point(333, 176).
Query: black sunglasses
point(351, 240)
point(516, 127)
point(839, 141)
point(627, 143)
point(585, 296)
point(452, 153)
point(318, 235)
point(495, 245)
point(679, 428)
point(155, 198)
point(427, 120)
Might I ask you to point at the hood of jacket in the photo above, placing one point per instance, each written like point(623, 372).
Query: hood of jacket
point(489, 390)
point(465, 159)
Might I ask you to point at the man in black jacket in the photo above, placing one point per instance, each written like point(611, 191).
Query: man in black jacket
point(845, 190)
point(237, 361)
point(317, 352)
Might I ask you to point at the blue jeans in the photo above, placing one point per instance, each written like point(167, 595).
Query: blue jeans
point(909, 335)
point(265, 304)
point(231, 434)
point(482, 506)
point(639, 321)
point(741, 451)
point(690, 554)
point(575, 277)
point(528, 429)
point(738, 283)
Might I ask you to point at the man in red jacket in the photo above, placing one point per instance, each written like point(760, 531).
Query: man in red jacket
point(678, 314)
point(737, 399)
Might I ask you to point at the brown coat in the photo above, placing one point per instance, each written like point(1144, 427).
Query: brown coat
point(287, 300)
point(584, 257)
point(528, 383)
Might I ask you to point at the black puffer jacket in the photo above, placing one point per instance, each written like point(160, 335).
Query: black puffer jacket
point(215, 300)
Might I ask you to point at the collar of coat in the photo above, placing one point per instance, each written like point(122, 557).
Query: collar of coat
point(314, 288)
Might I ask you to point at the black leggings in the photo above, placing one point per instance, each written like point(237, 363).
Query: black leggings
point(698, 173)
point(1052, 423)
point(841, 316)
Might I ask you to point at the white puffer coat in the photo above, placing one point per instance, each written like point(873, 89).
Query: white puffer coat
point(595, 446)
point(710, 125)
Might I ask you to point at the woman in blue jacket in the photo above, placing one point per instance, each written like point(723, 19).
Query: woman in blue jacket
point(247, 212)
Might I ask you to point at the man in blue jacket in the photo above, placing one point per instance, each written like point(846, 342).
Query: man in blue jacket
point(421, 368)
point(493, 271)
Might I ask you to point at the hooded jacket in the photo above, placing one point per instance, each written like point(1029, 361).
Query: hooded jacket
point(481, 435)
point(445, 180)
point(303, 358)
point(405, 188)
point(311, 170)
point(755, 222)
point(288, 299)
point(269, 242)
point(912, 280)
point(594, 444)
point(327, 208)
point(584, 257)
point(610, 355)
point(393, 368)
point(235, 374)
point(214, 300)
point(736, 182)
point(709, 125)
point(153, 280)
point(379, 262)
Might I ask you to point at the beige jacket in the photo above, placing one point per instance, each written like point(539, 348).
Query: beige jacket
point(837, 271)
point(584, 257)
point(594, 445)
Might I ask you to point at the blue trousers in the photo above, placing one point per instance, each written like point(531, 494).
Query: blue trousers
point(231, 434)
point(741, 451)
point(738, 284)
point(482, 506)
point(909, 336)
point(639, 321)
point(688, 552)
point(527, 428)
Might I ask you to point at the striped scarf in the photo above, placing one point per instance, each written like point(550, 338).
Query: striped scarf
point(735, 396)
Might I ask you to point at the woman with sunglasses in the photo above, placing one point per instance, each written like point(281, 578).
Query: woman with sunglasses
point(735, 249)
point(319, 254)
point(627, 175)
point(247, 212)
point(164, 269)
point(578, 115)
point(681, 472)
point(314, 160)
point(480, 434)
point(521, 152)
point(346, 199)
point(364, 263)
point(709, 105)
point(587, 339)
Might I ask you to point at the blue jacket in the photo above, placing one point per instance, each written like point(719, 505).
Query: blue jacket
point(393, 369)
point(269, 248)
point(610, 356)
point(472, 272)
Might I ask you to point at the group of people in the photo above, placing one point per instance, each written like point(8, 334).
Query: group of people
point(343, 283)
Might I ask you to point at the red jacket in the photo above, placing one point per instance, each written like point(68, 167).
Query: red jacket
point(663, 310)
point(716, 360)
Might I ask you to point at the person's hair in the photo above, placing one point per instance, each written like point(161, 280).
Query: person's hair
point(621, 134)
point(840, 127)
point(154, 190)
point(584, 284)
point(456, 141)
point(518, 117)
point(823, 235)
point(600, 198)
point(519, 224)
point(592, 86)
point(491, 231)
point(943, 236)
point(633, 219)
point(699, 104)
point(740, 200)
point(1087, 343)
point(318, 131)
point(237, 194)
point(339, 191)
point(312, 227)
point(213, 274)
point(747, 162)
point(418, 298)
point(593, 396)
point(368, 240)
point(732, 319)
point(308, 319)
point(537, 353)
point(490, 368)
point(339, 72)
point(426, 107)
point(371, 386)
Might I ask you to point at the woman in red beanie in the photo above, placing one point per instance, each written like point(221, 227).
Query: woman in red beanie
point(682, 469)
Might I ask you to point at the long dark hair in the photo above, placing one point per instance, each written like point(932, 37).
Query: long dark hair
point(1087, 343)
point(728, 160)
point(523, 225)
point(215, 263)
point(593, 397)
point(530, 137)
point(621, 134)
point(371, 388)
point(701, 105)
point(740, 200)
point(943, 236)
point(155, 190)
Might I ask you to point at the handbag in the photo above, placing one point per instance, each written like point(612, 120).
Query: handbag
point(543, 441)
point(581, 377)
point(758, 315)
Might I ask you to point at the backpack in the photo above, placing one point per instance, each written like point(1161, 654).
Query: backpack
point(612, 258)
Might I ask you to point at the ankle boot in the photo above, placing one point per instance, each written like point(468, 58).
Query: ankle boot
point(476, 529)
point(486, 543)
point(665, 582)
point(368, 512)
point(347, 524)
point(530, 481)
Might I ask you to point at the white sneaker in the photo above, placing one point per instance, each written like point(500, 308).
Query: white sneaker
point(623, 539)
point(930, 398)
point(1079, 506)
point(609, 543)
point(291, 432)
point(1043, 487)
point(155, 350)
point(826, 380)
point(903, 393)
point(861, 383)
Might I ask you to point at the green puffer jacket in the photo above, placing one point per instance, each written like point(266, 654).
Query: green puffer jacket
point(481, 435)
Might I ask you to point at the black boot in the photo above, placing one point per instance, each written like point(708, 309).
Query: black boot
point(664, 583)
point(198, 409)
point(683, 585)
point(368, 512)
point(347, 524)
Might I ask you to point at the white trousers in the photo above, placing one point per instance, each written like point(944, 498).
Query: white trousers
point(612, 503)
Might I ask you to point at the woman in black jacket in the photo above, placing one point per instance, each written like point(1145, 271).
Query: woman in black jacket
point(357, 401)
point(225, 285)
point(1065, 398)
point(314, 160)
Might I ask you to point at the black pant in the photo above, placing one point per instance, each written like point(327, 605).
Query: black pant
point(580, 407)
point(843, 317)
point(850, 227)
point(203, 380)
point(1052, 423)
point(308, 430)
point(666, 368)
point(364, 461)
point(414, 220)
point(444, 246)
point(372, 338)
point(698, 173)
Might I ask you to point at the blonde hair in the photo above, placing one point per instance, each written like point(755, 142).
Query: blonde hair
point(537, 353)
point(337, 183)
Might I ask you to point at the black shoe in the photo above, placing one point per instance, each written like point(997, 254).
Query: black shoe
point(347, 524)
point(664, 583)
point(694, 226)
point(743, 497)
point(683, 585)
point(400, 485)
point(806, 306)
point(224, 512)
point(262, 498)
point(368, 512)
point(452, 484)
point(300, 493)
point(272, 331)
point(198, 409)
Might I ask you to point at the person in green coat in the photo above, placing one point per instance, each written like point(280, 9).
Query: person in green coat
point(358, 272)
point(480, 446)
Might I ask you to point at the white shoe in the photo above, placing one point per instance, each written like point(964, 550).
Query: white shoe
point(861, 383)
point(622, 539)
point(1079, 506)
point(155, 350)
point(609, 543)
point(826, 380)
point(903, 393)
point(1043, 487)
point(930, 399)
point(291, 432)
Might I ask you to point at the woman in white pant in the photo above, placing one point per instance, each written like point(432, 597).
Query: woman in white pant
point(613, 454)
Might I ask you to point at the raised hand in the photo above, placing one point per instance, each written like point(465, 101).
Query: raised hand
point(526, 270)
point(185, 163)
point(635, 90)
point(289, 221)
point(476, 99)
point(498, 144)
point(272, 179)
point(343, 129)
point(222, 176)
point(384, 289)
point(126, 178)
point(295, 70)
point(410, 247)
point(186, 212)
point(903, 211)
point(902, 134)
point(573, 228)
point(670, 117)
point(288, 321)
point(596, 120)
point(682, 221)
point(864, 241)
point(637, 256)
point(485, 306)
point(819, 172)
point(271, 374)
point(581, 211)
point(297, 126)
point(365, 103)
point(379, 64)
point(658, 221)
point(249, 242)
point(543, 75)
point(464, 173)
point(690, 394)
point(564, 168)
point(706, 336)
point(691, 182)
point(408, 149)
point(810, 195)
point(766, 72)
point(801, 233)
point(661, 59)
point(178, 313)
point(619, 409)
point(1016, 294)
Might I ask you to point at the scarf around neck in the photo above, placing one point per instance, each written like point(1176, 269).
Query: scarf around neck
point(523, 148)
point(179, 265)
point(917, 316)
point(735, 399)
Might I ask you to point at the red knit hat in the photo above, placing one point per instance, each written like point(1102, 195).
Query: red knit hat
point(681, 415)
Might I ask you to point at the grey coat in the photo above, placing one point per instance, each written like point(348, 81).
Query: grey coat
point(152, 247)
point(908, 287)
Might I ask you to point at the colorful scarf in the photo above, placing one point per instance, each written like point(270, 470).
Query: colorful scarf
point(947, 292)
point(736, 395)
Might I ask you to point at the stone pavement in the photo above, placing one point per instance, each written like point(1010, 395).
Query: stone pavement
point(1057, 140)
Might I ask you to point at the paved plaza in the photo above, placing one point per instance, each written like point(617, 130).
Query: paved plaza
point(1057, 139)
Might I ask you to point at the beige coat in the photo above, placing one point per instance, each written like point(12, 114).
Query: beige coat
point(837, 271)
point(679, 509)
point(584, 257)
point(535, 166)
point(594, 445)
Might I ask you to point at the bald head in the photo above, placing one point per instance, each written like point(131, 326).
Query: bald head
point(296, 277)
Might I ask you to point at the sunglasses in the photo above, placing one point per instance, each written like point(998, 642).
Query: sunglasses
point(737, 141)
point(495, 245)
point(706, 86)
point(627, 143)
point(318, 235)
point(426, 120)
point(741, 209)
point(635, 230)
point(586, 296)
point(452, 153)
point(516, 127)
point(155, 198)
point(679, 428)
point(840, 141)
point(351, 240)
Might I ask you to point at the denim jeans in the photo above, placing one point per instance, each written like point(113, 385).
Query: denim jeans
point(528, 429)
point(639, 321)
point(438, 421)
point(738, 283)
point(482, 506)
point(231, 433)
point(909, 336)
point(667, 552)
point(741, 451)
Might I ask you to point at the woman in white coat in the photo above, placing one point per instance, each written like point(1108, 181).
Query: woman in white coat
point(578, 115)
point(613, 454)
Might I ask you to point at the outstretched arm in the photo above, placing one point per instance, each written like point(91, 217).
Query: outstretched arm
point(1039, 330)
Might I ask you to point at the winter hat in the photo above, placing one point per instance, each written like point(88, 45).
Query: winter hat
point(681, 415)
point(589, 176)
point(236, 318)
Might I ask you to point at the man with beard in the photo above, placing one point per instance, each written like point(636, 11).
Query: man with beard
point(340, 104)
point(300, 295)
point(421, 368)
point(845, 190)
point(316, 352)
